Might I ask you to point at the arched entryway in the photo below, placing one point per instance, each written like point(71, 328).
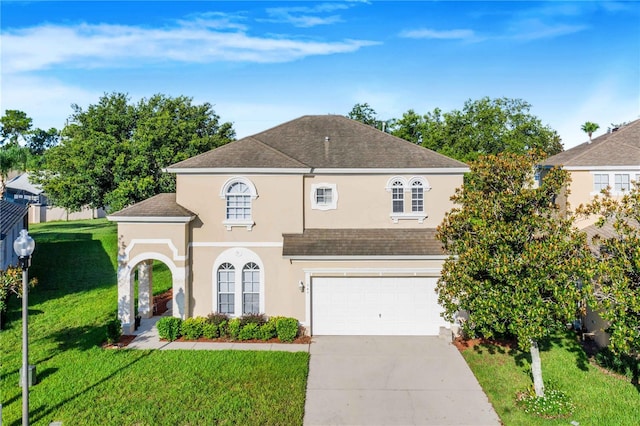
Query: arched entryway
point(140, 269)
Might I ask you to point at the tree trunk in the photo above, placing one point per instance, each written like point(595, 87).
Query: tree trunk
point(536, 369)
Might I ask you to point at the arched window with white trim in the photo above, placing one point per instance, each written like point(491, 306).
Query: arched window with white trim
point(226, 278)
point(250, 289)
point(397, 196)
point(238, 282)
point(238, 193)
point(417, 197)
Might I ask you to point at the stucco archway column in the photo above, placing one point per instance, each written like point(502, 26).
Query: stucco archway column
point(145, 289)
point(125, 298)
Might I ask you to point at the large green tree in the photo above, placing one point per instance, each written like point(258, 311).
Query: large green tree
point(364, 113)
point(14, 126)
point(484, 126)
point(112, 154)
point(617, 282)
point(515, 261)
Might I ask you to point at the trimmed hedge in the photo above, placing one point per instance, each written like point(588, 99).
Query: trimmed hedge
point(169, 328)
point(248, 327)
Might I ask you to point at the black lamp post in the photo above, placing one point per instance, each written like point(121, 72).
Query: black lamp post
point(23, 246)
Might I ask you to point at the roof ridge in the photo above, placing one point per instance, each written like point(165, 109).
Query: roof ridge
point(277, 151)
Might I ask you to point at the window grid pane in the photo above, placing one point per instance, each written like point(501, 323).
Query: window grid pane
point(417, 200)
point(238, 202)
point(323, 196)
point(622, 182)
point(397, 196)
point(226, 289)
point(600, 182)
point(251, 289)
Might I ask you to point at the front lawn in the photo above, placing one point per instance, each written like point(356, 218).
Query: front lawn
point(81, 384)
point(599, 398)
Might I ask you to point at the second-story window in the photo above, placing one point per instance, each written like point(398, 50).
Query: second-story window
point(622, 182)
point(397, 196)
point(238, 194)
point(417, 197)
point(324, 196)
point(600, 182)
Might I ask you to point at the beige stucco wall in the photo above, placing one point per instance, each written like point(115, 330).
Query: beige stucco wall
point(167, 239)
point(364, 202)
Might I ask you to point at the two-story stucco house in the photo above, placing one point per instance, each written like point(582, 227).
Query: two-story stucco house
point(608, 161)
point(321, 218)
point(611, 160)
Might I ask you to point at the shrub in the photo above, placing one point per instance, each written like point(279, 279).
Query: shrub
point(267, 331)
point(222, 329)
point(287, 329)
point(114, 330)
point(169, 328)
point(209, 331)
point(624, 364)
point(252, 319)
point(249, 332)
point(192, 328)
point(233, 328)
point(217, 318)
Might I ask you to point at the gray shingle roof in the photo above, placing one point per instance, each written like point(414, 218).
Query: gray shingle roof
point(362, 242)
point(320, 142)
point(158, 206)
point(619, 148)
point(10, 213)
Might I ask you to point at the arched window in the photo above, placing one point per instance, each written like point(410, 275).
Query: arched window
point(238, 282)
point(238, 194)
point(417, 197)
point(250, 289)
point(226, 289)
point(397, 196)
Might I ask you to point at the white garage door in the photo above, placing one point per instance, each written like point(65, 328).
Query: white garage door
point(375, 306)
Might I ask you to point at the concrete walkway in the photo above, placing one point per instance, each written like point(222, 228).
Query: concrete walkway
point(376, 380)
point(147, 338)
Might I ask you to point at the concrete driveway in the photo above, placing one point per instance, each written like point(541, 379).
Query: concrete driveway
point(389, 380)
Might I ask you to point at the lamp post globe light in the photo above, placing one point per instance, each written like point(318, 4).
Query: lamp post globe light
point(23, 246)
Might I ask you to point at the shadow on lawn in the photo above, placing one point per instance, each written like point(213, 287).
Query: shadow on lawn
point(41, 413)
point(567, 341)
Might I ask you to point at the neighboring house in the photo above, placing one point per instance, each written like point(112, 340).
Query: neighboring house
point(20, 190)
point(608, 161)
point(13, 218)
point(611, 160)
point(322, 218)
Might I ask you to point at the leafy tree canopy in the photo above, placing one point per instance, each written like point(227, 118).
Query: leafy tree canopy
point(617, 283)
point(112, 154)
point(364, 113)
point(15, 125)
point(484, 126)
point(515, 261)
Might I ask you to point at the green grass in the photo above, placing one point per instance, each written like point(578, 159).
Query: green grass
point(599, 398)
point(81, 384)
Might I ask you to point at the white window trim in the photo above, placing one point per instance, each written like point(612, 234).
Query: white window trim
point(230, 223)
point(612, 180)
point(238, 257)
point(406, 185)
point(334, 196)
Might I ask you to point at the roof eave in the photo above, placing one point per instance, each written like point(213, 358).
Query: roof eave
point(151, 219)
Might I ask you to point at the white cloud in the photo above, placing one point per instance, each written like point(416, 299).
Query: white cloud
point(91, 46)
point(535, 29)
point(458, 34)
point(46, 100)
point(306, 16)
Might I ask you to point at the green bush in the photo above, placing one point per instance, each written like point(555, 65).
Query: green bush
point(222, 329)
point(114, 330)
point(209, 331)
point(287, 329)
point(169, 328)
point(267, 331)
point(624, 364)
point(192, 328)
point(217, 318)
point(233, 328)
point(252, 319)
point(249, 331)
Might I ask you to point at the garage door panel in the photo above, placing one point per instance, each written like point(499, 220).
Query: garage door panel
point(375, 306)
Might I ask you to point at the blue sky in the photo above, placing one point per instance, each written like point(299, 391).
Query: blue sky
point(263, 63)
